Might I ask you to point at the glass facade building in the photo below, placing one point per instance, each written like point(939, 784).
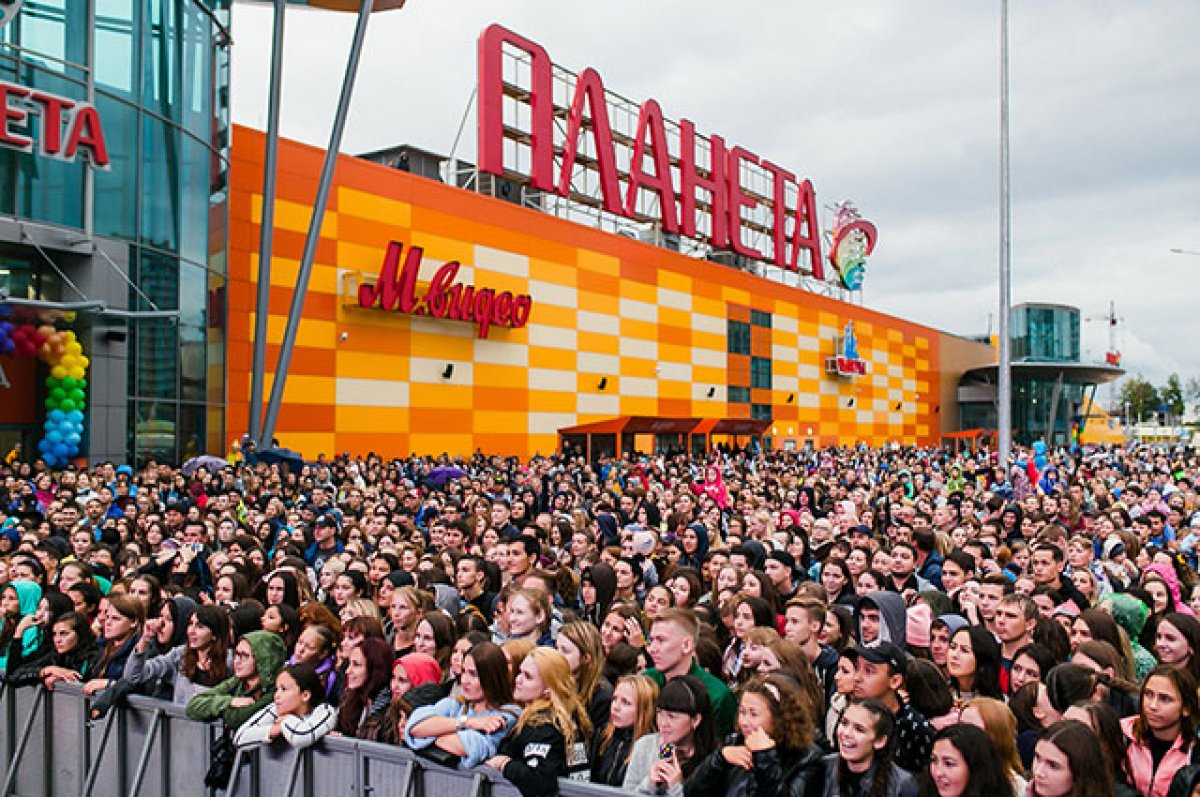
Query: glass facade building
point(1050, 384)
point(157, 72)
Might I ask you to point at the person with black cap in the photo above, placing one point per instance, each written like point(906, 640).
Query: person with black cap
point(780, 567)
point(879, 675)
point(325, 542)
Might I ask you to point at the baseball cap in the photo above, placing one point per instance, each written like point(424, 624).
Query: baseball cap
point(883, 653)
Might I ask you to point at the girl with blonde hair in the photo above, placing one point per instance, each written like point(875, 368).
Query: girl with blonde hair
point(630, 718)
point(547, 741)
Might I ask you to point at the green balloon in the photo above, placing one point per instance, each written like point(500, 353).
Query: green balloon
point(68, 384)
point(58, 394)
point(81, 384)
point(76, 395)
point(52, 403)
point(67, 405)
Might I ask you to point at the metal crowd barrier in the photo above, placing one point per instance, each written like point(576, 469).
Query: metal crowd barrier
point(51, 747)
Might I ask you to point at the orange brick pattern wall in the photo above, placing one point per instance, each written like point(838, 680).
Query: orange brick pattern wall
point(650, 322)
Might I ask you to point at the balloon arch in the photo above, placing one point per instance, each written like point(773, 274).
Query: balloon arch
point(66, 386)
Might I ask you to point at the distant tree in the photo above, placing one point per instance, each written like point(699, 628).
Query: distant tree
point(1171, 396)
point(1140, 396)
point(1191, 392)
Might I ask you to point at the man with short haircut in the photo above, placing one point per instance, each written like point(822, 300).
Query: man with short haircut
point(1045, 565)
point(904, 565)
point(672, 648)
point(992, 589)
point(1016, 617)
point(803, 620)
point(879, 675)
point(471, 582)
point(523, 554)
point(929, 561)
point(780, 568)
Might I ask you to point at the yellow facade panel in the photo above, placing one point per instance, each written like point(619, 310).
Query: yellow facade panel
point(311, 333)
point(374, 207)
point(709, 307)
point(371, 365)
point(669, 353)
point(600, 303)
point(597, 261)
point(441, 397)
point(514, 284)
point(639, 405)
point(702, 374)
point(545, 357)
point(640, 292)
point(549, 271)
point(351, 418)
point(552, 401)
point(671, 317)
point(499, 421)
point(489, 375)
point(455, 444)
point(597, 343)
point(552, 315)
point(441, 347)
point(675, 281)
point(642, 369)
point(639, 330)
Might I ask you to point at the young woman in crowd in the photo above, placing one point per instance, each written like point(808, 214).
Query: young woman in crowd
point(283, 620)
point(580, 643)
point(964, 764)
point(72, 658)
point(748, 613)
point(1106, 725)
point(297, 713)
point(412, 675)
point(842, 692)
point(547, 741)
point(18, 599)
point(1177, 641)
point(631, 717)
point(1065, 764)
point(995, 719)
point(862, 765)
point(123, 622)
point(282, 589)
point(1162, 735)
point(435, 635)
point(973, 663)
point(467, 729)
point(529, 616)
point(316, 647)
point(368, 694)
point(662, 761)
point(773, 751)
point(257, 659)
point(1031, 664)
point(197, 663)
point(31, 639)
point(406, 611)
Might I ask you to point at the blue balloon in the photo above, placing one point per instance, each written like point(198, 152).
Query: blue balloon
point(73, 439)
point(76, 416)
point(44, 445)
point(55, 415)
point(54, 436)
point(61, 451)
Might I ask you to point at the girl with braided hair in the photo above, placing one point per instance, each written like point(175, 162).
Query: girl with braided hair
point(863, 766)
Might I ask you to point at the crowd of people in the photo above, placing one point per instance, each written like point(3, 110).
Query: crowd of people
point(842, 622)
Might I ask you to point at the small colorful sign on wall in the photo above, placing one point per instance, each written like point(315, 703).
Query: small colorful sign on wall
point(846, 361)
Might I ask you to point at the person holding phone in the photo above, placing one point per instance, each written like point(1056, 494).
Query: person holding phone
point(660, 762)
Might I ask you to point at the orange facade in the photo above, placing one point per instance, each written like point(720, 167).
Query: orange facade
point(617, 327)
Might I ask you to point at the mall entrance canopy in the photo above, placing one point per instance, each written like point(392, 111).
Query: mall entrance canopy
point(630, 433)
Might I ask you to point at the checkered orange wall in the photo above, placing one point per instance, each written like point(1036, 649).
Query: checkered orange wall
point(650, 322)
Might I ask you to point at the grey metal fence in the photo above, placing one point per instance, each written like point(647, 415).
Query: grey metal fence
point(51, 747)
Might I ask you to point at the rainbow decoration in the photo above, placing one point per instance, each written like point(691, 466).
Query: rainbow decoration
point(66, 398)
point(851, 241)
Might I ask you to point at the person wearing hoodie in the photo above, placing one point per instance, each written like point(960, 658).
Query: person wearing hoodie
point(598, 585)
point(1131, 614)
point(882, 617)
point(19, 599)
point(257, 660)
point(694, 541)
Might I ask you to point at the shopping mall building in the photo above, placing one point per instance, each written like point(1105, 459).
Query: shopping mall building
point(549, 296)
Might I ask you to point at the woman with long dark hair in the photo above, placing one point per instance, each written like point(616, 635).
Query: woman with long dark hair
point(1177, 641)
point(863, 765)
point(368, 693)
point(1167, 719)
point(964, 764)
point(1064, 764)
point(197, 661)
point(467, 729)
point(973, 663)
point(123, 624)
point(1105, 723)
point(662, 761)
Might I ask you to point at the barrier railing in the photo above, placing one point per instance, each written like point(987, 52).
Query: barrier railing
point(50, 746)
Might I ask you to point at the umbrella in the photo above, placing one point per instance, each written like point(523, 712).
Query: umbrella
point(283, 457)
point(439, 476)
point(207, 461)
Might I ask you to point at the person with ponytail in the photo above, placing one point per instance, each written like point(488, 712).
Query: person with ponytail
point(863, 766)
point(547, 741)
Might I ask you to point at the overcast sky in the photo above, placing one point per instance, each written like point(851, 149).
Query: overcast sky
point(892, 104)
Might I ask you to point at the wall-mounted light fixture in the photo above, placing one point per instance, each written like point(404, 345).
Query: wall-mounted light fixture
point(603, 382)
point(712, 391)
point(448, 371)
point(850, 403)
point(791, 397)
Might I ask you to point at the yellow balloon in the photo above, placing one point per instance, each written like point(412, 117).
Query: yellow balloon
point(68, 362)
point(75, 373)
point(74, 349)
point(84, 362)
point(58, 372)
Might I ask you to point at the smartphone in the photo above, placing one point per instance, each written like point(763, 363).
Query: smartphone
point(666, 751)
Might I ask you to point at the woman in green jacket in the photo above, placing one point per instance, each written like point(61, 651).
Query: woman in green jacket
point(257, 659)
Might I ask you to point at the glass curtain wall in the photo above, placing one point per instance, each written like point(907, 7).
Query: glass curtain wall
point(158, 73)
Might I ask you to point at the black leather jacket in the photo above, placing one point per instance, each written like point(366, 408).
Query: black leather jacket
point(776, 773)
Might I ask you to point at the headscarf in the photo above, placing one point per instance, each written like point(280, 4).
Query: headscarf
point(420, 667)
point(1168, 574)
